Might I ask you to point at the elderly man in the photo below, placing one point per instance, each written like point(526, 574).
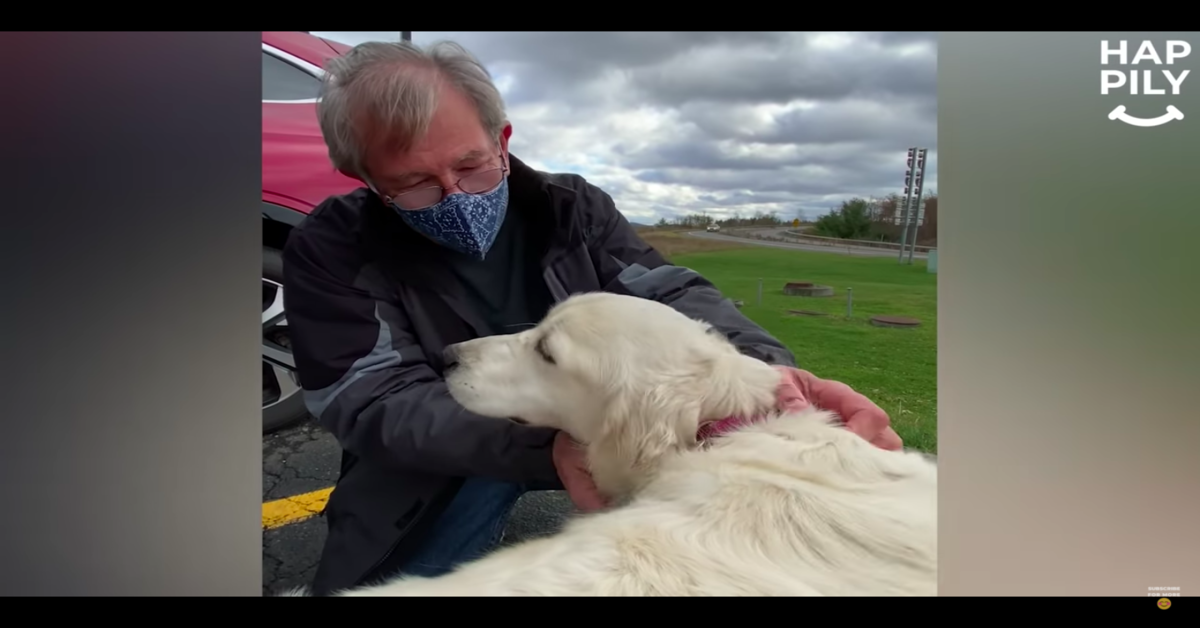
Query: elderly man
point(453, 238)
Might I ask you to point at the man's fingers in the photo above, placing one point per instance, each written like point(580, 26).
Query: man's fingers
point(589, 504)
point(861, 415)
point(790, 395)
point(888, 440)
point(868, 423)
point(585, 496)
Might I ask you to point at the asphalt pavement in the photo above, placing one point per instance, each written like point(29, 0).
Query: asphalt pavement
point(300, 464)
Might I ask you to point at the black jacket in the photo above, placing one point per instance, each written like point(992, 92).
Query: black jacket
point(370, 309)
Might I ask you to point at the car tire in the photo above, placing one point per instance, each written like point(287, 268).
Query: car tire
point(283, 400)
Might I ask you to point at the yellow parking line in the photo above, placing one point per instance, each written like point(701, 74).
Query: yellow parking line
point(296, 508)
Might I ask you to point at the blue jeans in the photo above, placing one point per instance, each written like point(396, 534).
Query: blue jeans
point(472, 525)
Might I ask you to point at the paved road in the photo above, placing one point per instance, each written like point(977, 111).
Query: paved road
point(803, 246)
point(305, 458)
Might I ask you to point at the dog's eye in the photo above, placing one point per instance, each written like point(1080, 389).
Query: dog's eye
point(540, 347)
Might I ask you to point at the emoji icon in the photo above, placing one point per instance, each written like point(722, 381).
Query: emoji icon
point(1164, 603)
point(1171, 114)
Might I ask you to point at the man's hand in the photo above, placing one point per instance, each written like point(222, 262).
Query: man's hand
point(801, 389)
point(571, 461)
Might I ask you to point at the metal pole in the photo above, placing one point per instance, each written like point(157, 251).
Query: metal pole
point(919, 190)
point(908, 189)
point(920, 213)
point(903, 228)
point(849, 302)
point(760, 291)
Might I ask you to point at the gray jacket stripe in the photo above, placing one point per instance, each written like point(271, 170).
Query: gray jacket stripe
point(648, 284)
point(557, 290)
point(383, 355)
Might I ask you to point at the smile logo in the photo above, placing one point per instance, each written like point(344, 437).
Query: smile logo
point(1171, 114)
point(1143, 81)
point(1164, 603)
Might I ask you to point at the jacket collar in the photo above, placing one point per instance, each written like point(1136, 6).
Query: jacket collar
point(538, 193)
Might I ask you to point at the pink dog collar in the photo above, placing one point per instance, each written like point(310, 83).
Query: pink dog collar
point(713, 429)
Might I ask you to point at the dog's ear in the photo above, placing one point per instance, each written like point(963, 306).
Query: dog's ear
point(738, 385)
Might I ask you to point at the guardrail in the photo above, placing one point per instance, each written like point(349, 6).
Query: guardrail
point(794, 236)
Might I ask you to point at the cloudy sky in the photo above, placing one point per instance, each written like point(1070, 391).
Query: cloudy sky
point(718, 123)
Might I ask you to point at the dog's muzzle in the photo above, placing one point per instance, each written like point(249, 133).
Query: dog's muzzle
point(450, 356)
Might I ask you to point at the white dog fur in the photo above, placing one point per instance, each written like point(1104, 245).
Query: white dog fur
point(793, 505)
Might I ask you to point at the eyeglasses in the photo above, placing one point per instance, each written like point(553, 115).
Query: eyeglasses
point(474, 183)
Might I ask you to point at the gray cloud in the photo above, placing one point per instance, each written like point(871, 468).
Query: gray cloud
point(784, 72)
point(719, 122)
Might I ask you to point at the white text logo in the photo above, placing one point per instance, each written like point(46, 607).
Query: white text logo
point(1150, 82)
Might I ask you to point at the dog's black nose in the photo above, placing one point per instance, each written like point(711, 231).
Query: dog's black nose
point(450, 355)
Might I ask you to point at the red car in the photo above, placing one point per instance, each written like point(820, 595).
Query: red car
point(297, 176)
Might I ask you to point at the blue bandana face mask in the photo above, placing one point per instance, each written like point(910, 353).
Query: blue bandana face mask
point(467, 223)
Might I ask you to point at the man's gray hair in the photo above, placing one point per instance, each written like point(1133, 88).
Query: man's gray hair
point(384, 94)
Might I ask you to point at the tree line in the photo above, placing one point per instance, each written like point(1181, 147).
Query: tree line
point(874, 219)
point(701, 221)
point(855, 219)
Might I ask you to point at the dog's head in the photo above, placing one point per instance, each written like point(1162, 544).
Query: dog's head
point(631, 378)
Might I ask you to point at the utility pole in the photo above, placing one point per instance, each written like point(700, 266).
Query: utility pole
point(906, 203)
point(911, 214)
point(918, 208)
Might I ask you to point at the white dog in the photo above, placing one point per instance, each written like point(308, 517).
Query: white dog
point(789, 505)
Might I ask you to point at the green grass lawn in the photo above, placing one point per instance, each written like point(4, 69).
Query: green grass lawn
point(896, 368)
